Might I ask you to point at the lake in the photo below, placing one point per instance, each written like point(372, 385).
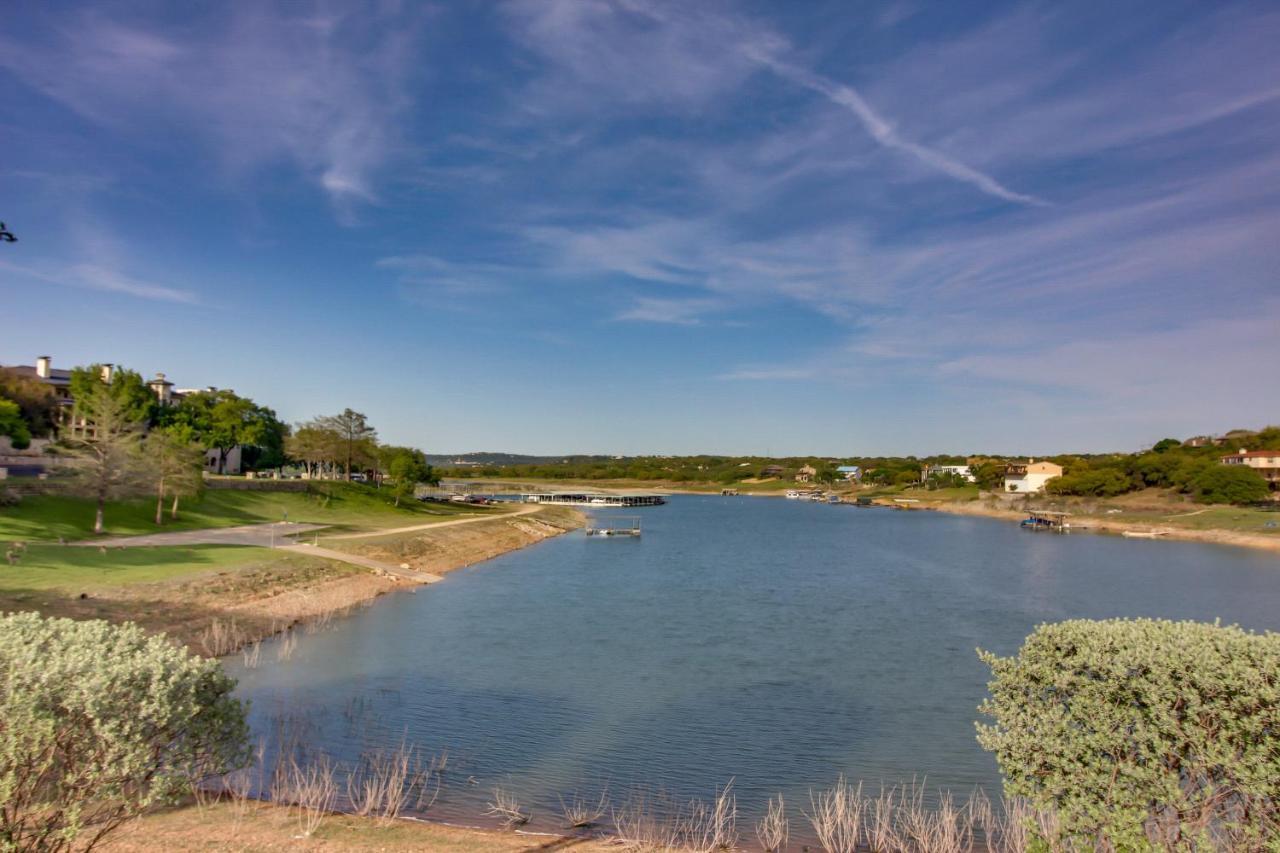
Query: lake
point(779, 643)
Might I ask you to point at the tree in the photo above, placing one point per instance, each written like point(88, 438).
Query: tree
point(174, 466)
point(13, 426)
point(126, 387)
point(314, 446)
point(1141, 733)
point(1229, 484)
point(99, 722)
point(107, 459)
point(1166, 444)
point(407, 467)
point(358, 439)
point(37, 401)
point(221, 420)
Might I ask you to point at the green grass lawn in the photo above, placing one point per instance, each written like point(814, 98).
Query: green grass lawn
point(51, 566)
point(960, 493)
point(349, 506)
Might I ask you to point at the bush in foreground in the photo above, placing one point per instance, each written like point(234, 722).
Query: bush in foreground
point(1142, 732)
point(98, 722)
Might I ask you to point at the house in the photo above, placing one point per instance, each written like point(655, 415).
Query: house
point(853, 473)
point(806, 474)
point(771, 471)
point(1265, 462)
point(60, 380)
point(1029, 477)
point(962, 471)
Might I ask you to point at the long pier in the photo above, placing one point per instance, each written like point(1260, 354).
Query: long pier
point(594, 498)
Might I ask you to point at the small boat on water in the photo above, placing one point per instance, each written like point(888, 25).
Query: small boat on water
point(833, 499)
point(1144, 534)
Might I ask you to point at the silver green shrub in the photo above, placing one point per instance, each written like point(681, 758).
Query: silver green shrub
point(1142, 734)
point(98, 722)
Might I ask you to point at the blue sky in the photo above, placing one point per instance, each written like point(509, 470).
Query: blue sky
point(630, 227)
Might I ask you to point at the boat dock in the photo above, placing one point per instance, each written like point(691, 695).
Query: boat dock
point(618, 525)
point(1054, 522)
point(631, 499)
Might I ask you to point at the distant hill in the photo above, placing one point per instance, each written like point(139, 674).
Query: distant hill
point(503, 459)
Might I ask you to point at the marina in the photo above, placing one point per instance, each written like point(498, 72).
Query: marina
point(584, 498)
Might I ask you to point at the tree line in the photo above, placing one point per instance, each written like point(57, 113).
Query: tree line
point(120, 441)
point(1170, 464)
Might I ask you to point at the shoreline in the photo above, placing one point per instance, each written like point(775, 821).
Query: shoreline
point(429, 551)
point(1084, 521)
point(1098, 524)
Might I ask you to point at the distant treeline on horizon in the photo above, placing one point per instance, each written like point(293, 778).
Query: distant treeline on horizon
point(1171, 463)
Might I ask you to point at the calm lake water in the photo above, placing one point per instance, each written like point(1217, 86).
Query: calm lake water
point(777, 642)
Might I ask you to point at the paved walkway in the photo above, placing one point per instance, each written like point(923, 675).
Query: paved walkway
point(261, 535)
point(524, 510)
point(275, 535)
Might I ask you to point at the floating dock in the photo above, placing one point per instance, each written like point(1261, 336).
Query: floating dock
point(1054, 522)
point(594, 498)
point(620, 525)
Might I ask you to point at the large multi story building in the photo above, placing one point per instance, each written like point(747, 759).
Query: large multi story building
point(167, 395)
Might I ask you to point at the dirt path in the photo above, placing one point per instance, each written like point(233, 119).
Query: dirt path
point(524, 510)
point(357, 560)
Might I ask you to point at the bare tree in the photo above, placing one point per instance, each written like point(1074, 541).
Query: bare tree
point(108, 459)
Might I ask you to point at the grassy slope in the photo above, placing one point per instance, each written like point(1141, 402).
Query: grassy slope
point(351, 506)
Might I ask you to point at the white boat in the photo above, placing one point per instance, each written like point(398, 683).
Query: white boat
point(793, 495)
point(599, 501)
point(1144, 534)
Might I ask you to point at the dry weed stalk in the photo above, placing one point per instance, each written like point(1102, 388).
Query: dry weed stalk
point(580, 812)
point(881, 828)
point(773, 829)
point(221, 638)
point(714, 827)
point(638, 828)
point(288, 643)
point(837, 816)
point(251, 654)
point(311, 788)
point(385, 781)
point(507, 809)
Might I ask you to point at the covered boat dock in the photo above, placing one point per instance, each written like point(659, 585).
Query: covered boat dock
point(594, 498)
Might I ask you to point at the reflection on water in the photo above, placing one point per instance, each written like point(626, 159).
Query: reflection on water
point(775, 642)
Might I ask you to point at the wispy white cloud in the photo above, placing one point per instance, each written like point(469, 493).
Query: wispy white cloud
point(258, 86)
point(679, 312)
point(93, 277)
point(882, 130)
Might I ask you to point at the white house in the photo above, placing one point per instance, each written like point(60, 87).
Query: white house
point(1029, 477)
point(850, 472)
point(958, 470)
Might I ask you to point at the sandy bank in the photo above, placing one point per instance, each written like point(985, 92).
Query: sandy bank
point(443, 549)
